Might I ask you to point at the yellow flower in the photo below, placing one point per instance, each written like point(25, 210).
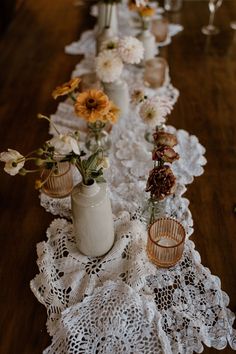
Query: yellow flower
point(92, 105)
point(112, 114)
point(66, 88)
point(38, 184)
point(146, 11)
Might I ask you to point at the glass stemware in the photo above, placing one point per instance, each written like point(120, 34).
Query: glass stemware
point(211, 28)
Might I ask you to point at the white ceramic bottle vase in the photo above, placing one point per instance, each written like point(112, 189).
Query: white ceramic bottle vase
point(92, 219)
point(107, 16)
point(118, 92)
point(149, 44)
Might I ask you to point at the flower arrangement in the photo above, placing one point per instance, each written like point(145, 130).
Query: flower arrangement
point(91, 105)
point(161, 181)
point(115, 52)
point(61, 148)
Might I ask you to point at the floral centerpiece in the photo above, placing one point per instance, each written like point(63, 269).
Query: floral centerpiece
point(115, 53)
point(109, 65)
point(46, 161)
point(95, 108)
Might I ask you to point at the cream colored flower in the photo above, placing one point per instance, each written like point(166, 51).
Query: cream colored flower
point(131, 50)
point(154, 111)
point(105, 163)
point(138, 96)
point(92, 105)
point(109, 66)
point(14, 161)
point(64, 145)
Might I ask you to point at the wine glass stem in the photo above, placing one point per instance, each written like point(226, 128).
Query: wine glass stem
point(211, 18)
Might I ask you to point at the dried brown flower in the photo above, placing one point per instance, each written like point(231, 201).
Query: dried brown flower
point(163, 138)
point(164, 153)
point(161, 182)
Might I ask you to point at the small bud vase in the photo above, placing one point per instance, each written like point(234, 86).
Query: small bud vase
point(59, 180)
point(97, 137)
point(118, 92)
point(107, 16)
point(149, 44)
point(92, 219)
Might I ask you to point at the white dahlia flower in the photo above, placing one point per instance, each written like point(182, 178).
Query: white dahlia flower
point(131, 50)
point(154, 111)
point(109, 66)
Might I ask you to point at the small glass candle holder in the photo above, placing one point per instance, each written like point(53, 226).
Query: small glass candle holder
point(59, 180)
point(156, 72)
point(160, 29)
point(165, 243)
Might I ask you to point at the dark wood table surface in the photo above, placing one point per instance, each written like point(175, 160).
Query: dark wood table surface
point(32, 63)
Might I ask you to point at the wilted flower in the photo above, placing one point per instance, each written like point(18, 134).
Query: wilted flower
point(108, 66)
point(38, 184)
point(165, 154)
point(64, 145)
point(14, 161)
point(66, 88)
point(131, 50)
point(92, 105)
point(154, 110)
point(161, 182)
point(163, 138)
point(138, 96)
point(104, 163)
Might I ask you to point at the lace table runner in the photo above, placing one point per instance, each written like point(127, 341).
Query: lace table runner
point(122, 303)
point(186, 300)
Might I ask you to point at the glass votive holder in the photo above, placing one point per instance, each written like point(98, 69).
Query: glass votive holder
point(59, 180)
point(173, 5)
point(156, 72)
point(160, 29)
point(165, 243)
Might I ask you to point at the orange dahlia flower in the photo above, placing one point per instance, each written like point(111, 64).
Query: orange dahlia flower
point(112, 114)
point(146, 11)
point(66, 88)
point(92, 105)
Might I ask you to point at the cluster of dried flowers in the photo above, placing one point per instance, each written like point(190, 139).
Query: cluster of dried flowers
point(114, 53)
point(93, 106)
point(161, 181)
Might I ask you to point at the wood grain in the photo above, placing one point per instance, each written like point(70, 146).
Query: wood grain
point(32, 63)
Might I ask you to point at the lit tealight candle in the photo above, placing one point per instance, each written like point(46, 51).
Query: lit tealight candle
point(167, 242)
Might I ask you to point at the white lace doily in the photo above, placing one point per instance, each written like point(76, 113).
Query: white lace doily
point(189, 304)
point(113, 308)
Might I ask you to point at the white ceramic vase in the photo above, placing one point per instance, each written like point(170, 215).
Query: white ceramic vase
point(118, 92)
point(92, 219)
point(103, 11)
point(149, 44)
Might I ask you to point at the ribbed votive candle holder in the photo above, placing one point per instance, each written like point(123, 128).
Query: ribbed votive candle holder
point(59, 181)
point(165, 243)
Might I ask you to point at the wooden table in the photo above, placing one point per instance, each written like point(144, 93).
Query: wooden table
point(32, 63)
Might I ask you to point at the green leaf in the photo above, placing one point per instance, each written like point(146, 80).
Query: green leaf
point(100, 179)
